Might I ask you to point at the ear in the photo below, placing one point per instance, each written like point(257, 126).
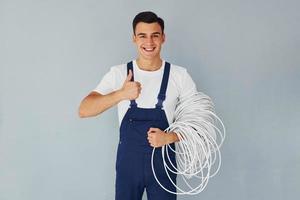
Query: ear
point(163, 37)
point(133, 38)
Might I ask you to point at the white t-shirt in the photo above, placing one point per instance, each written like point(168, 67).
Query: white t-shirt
point(180, 84)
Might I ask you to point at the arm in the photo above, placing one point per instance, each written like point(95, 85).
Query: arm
point(172, 137)
point(158, 138)
point(96, 103)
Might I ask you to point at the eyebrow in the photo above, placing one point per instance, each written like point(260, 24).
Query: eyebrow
point(154, 33)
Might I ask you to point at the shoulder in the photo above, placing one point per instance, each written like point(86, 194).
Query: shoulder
point(118, 69)
point(179, 72)
point(182, 78)
point(177, 68)
point(119, 74)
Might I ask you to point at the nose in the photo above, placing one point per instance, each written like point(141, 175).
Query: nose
point(149, 40)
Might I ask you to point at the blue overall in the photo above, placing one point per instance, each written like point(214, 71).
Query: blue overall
point(133, 163)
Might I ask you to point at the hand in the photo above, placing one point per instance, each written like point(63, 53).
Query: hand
point(131, 89)
point(157, 137)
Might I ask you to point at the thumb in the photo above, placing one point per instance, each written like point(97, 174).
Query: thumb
point(128, 78)
point(151, 129)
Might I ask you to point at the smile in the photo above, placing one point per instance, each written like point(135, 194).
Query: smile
point(148, 49)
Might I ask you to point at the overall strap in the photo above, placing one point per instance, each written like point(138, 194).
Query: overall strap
point(130, 66)
point(163, 88)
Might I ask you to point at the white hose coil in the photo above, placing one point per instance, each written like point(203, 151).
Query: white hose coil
point(199, 147)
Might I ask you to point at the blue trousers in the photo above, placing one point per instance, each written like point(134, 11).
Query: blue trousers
point(133, 164)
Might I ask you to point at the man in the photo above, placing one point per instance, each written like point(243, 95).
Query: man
point(146, 91)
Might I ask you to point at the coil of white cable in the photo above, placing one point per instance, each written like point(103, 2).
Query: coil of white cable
point(197, 153)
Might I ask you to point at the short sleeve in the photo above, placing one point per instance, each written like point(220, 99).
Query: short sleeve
point(107, 83)
point(188, 85)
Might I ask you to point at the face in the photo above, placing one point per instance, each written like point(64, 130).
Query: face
point(148, 38)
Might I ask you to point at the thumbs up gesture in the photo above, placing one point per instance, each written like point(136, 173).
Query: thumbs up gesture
point(131, 89)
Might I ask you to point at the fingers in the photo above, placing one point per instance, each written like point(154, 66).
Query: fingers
point(150, 134)
point(135, 83)
point(153, 130)
point(128, 78)
point(150, 140)
point(138, 84)
point(153, 145)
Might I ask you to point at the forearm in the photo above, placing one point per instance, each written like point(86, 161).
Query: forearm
point(172, 137)
point(95, 104)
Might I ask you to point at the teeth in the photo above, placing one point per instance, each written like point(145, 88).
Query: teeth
point(149, 49)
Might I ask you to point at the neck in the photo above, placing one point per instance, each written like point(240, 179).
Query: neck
point(149, 65)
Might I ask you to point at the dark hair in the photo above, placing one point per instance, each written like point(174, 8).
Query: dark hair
point(147, 17)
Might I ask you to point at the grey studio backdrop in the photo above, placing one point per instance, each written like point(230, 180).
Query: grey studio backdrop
point(243, 54)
